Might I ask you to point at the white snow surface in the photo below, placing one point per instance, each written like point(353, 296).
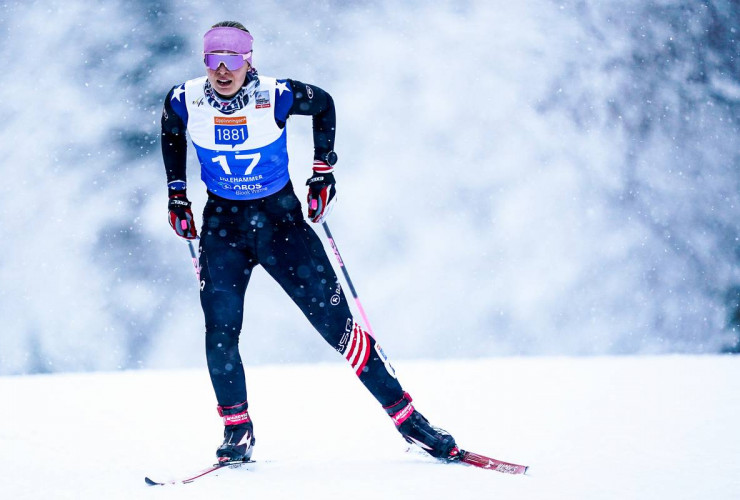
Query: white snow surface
point(590, 428)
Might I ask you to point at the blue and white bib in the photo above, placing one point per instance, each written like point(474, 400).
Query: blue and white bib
point(243, 153)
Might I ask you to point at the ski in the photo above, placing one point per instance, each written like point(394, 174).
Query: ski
point(484, 462)
point(465, 457)
point(200, 473)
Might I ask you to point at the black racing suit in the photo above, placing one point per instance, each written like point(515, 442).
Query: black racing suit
point(238, 235)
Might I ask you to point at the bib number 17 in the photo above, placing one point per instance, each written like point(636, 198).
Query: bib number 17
point(253, 159)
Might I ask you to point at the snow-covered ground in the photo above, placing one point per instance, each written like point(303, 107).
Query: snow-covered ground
point(590, 428)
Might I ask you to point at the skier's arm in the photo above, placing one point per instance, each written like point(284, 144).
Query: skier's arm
point(297, 98)
point(314, 101)
point(174, 145)
point(174, 154)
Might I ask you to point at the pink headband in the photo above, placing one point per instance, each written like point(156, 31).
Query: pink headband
point(230, 39)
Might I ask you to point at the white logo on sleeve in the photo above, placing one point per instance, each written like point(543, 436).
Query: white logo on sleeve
point(179, 91)
point(282, 87)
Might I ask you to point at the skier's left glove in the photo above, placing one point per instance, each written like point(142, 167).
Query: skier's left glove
point(322, 192)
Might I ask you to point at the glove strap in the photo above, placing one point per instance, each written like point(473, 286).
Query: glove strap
point(179, 201)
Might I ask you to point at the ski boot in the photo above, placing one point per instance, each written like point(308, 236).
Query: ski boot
point(238, 434)
point(416, 429)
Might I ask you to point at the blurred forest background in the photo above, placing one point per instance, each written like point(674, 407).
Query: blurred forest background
point(515, 178)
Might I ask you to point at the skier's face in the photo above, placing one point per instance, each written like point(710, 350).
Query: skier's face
point(225, 81)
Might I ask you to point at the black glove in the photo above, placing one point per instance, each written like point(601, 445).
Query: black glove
point(181, 217)
point(321, 195)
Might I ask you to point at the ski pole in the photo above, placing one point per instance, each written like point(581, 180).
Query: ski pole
point(194, 256)
point(346, 277)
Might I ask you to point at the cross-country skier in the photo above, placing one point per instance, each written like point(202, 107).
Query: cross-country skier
point(237, 123)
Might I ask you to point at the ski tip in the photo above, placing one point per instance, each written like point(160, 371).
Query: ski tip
point(151, 482)
point(488, 463)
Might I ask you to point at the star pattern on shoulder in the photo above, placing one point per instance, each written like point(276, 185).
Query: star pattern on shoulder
point(177, 92)
point(282, 87)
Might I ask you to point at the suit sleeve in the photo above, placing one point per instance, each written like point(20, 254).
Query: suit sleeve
point(174, 144)
point(313, 101)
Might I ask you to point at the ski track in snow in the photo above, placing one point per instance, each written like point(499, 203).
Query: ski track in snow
point(590, 428)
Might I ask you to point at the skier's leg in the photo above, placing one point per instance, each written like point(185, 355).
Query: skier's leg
point(225, 273)
point(226, 266)
point(304, 271)
point(295, 257)
point(292, 253)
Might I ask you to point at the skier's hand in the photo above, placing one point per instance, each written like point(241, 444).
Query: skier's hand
point(321, 192)
point(180, 216)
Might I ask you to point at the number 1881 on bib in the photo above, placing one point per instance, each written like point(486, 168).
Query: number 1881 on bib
point(230, 130)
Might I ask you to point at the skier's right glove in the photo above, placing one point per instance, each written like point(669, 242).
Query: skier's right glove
point(180, 215)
